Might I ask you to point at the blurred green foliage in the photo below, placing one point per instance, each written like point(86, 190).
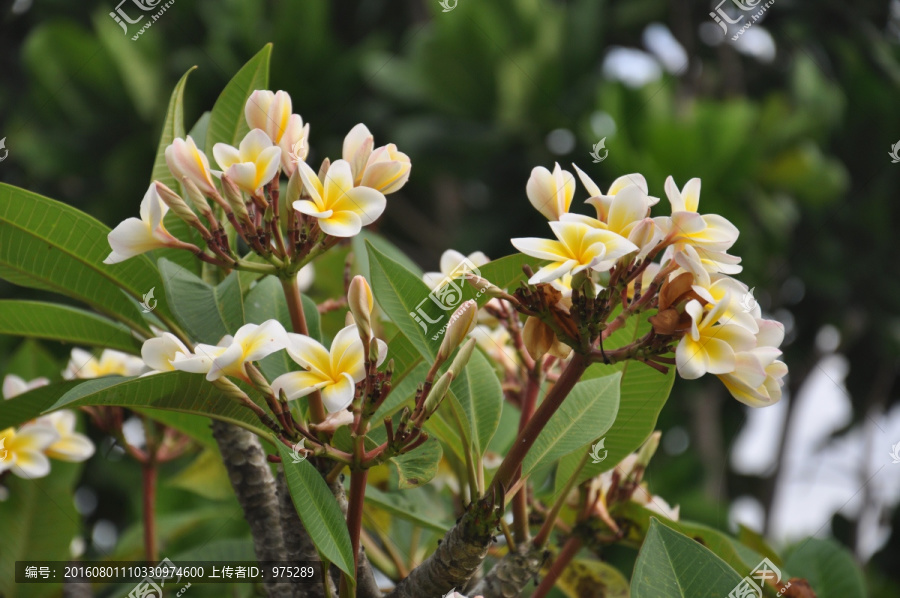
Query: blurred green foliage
point(793, 151)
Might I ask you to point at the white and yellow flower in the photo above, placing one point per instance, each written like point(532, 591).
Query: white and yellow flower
point(710, 346)
point(710, 232)
point(725, 288)
point(361, 303)
point(251, 165)
point(159, 352)
point(83, 365)
point(340, 208)
point(453, 264)
point(385, 169)
point(135, 236)
point(70, 446)
point(758, 374)
point(186, 160)
point(602, 202)
point(272, 113)
point(335, 373)
point(250, 343)
point(22, 451)
point(578, 247)
point(551, 193)
point(14, 386)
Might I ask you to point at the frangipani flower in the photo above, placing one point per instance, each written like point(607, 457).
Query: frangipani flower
point(70, 445)
point(335, 372)
point(253, 164)
point(603, 202)
point(453, 264)
point(340, 208)
point(551, 193)
point(14, 386)
point(250, 343)
point(710, 232)
point(83, 365)
point(726, 288)
point(579, 247)
point(361, 303)
point(136, 236)
point(710, 346)
point(23, 450)
point(159, 352)
point(185, 159)
point(387, 169)
point(271, 112)
point(305, 277)
point(757, 378)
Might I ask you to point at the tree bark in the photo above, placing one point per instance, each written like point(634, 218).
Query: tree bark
point(512, 573)
point(254, 486)
point(458, 556)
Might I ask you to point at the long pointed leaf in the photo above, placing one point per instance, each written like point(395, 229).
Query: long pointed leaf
point(227, 123)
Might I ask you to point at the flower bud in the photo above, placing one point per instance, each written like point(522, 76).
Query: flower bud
point(361, 303)
point(197, 199)
point(357, 148)
point(294, 188)
point(387, 169)
point(235, 200)
point(648, 449)
point(461, 323)
point(438, 391)
point(177, 205)
point(462, 358)
point(186, 160)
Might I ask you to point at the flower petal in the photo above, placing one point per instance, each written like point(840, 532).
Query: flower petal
point(299, 384)
point(340, 394)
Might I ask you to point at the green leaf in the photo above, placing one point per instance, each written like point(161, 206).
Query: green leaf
point(642, 394)
point(585, 578)
point(67, 324)
point(671, 565)
point(31, 360)
point(586, 414)
point(827, 566)
point(206, 476)
point(411, 506)
point(173, 391)
point(479, 396)
point(418, 466)
point(27, 406)
point(318, 510)
point(37, 522)
point(194, 425)
point(361, 255)
point(207, 313)
point(226, 122)
point(45, 244)
point(173, 128)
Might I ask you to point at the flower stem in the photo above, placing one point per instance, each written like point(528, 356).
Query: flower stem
point(525, 440)
point(520, 500)
point(298, 319)
point(149, 473)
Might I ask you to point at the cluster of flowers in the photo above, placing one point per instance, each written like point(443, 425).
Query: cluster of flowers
point(341, 198)
point(27, 451)
point(699, 299)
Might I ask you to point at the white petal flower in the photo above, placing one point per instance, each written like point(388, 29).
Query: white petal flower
point(159, 353)
point(758, 375)
point(340, 208)
point(271, 112)
point(305, 277)
point(453, 264)
point(578, 247)
point(135, 236)
point(387, 169)
point(335, 373)
point(185, 159)
point(71, 445)
point(82, 364)
point(250, 343)
point(602, 202)
point(14, 386)
point(253, 164)
point(551, 193)
point(358, 145)
point(710, 346)
point(23, 450)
